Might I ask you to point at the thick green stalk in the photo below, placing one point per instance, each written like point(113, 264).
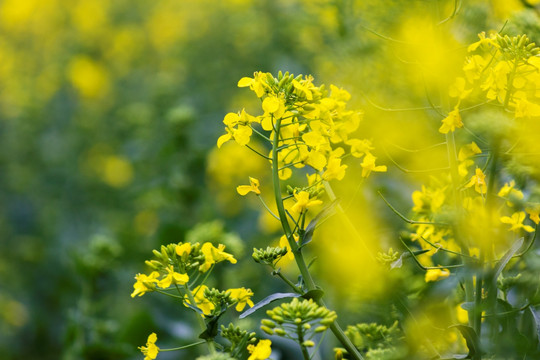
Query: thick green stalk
point(297, 251)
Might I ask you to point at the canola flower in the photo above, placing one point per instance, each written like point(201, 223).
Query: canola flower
point(150, 351)
point(261, 351)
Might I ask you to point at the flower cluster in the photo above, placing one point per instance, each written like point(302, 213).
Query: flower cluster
point(307, 125)
point(173, 263)
point(298, 320)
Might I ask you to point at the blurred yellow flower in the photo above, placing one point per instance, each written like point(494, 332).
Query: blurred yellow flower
point(516, 222)
point(88, 77)
point(117, 171)
point(451, 122)
point(436, 274)
point(368, 165)
point(534, 214)
point(479, 182)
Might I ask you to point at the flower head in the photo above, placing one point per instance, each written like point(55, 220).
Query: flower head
point(451, 122)
point(368, 165)
point(516, 222)
point(144, 283)
point(150, 351)
point(252, 187)
point(261, 351)
point(479, 181)
point(303, 202)
point(243, 296)
point(436, 274)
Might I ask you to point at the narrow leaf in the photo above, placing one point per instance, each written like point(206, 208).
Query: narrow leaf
point(471, 338)
point(321, 216)
point(506, 258)
point(267, 300)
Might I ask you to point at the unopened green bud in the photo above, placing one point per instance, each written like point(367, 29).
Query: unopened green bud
point(319, 329)
point(280, 332)
point(308, 343)
point(268, 323)
point(267, 330)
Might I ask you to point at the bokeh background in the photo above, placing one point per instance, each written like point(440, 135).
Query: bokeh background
point(109, 116)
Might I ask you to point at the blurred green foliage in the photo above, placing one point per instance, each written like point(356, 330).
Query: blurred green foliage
point(108, 110)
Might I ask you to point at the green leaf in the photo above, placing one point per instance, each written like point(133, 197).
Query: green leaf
point(529, 327)
point(267, 300)
point(506, 258)
point(211, 328)
point(471, 338)
point(320, 217)
point(313, 294)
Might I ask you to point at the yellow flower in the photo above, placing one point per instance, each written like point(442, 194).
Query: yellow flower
point(436, 274)
point(214, 255)
point(534, 214)
point(303, 202)
point(238, 127)
point(261, 351)
point(451, 122)
point(182, 249)
point(334, 169)
point(144, 283)
point(172, 278)
point(516, 222)
point(200, 301)
point(252, 187)
point(510, 193)
point(257, 83)
point(150, 351)
point(368, 165)
point(360, 147)
point(483, 41)
point(284, 243)
point(304, 88)
point(468, 150)
point(479, 182)
point(457, 90)
point(243, 296)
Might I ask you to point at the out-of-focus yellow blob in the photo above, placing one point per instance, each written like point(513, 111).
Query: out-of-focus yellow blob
point(117, 171)
point(231, 166)
point(88, 77)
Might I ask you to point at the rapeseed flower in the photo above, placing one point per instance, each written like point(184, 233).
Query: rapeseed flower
point(516, 222)
point(252, 187)
point(150, 351)
point(261, 351)
point(144, 283)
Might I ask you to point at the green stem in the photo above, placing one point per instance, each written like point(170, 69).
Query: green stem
point(288, 282)
point(305, 353)
point(183, 347)
point(200, 320)
point(298, 256)
point(510, 85)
